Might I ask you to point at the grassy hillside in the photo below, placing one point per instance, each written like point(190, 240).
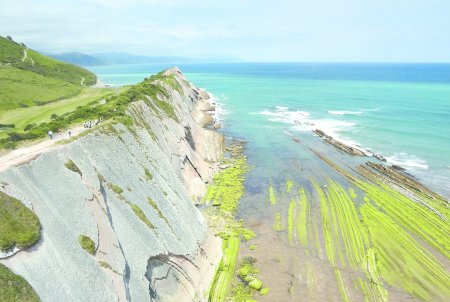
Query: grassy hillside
point(23, 117)
point(28, 78)
point(19, 56)
point(23, 88)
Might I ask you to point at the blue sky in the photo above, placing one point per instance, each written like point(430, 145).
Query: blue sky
point(281, 30)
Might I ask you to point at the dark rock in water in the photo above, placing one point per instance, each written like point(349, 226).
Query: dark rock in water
point(378, 156)
point(397, 168)
point(339, 145)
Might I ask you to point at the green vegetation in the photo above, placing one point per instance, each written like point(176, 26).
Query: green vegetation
point(289, 185)
point(87, 244)
point(22, 88)
point(14, 288)
point(140, 214)
point(225, 272)
point(29, 117)
point(19, 56)
point(277, 224)
point(28, 78)
point(291, 213)
point(71, 166)
point(390, 238)
point(155, 207)
point(116, 189)
point(105, 265)
point(228, 186)
point(115, 108)
point(19, 226)
point(247, 283)
point(148, 175)
point(273, 199)
point(225, 193)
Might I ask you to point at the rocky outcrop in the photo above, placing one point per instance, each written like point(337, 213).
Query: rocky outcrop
point(339, 145)
point(134, 198)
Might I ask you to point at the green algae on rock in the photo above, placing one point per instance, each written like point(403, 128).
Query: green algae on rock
point(19, 226)
point(225, 273)
point(228, 185)
point(224, 194)
point(272, 197)
point(277, 224)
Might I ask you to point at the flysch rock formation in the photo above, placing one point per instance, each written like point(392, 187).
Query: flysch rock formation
point(159, 165)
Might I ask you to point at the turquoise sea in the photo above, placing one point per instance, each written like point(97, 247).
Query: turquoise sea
point(401, 111)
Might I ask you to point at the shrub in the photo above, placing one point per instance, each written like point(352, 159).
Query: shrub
point(87, 244)
point(71, 166)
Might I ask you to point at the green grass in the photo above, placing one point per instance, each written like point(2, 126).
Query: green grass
point(116, 189)
point(114, 108)
point(87, 244)
point(71, 166)
point(19, 226)
point(22, 88)
point(12, 53)
point(155, 207)
point(14, 288)
point(140, 214)
point(21, 117)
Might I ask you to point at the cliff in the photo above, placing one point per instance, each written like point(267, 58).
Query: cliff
point(131, 188)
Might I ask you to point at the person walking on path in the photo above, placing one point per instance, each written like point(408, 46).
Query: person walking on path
point(50, 134)
point(70, 133)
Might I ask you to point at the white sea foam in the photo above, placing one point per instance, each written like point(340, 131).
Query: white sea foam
point(219, 112)
point(344, 112)
point(302, 121)
point(407, 161)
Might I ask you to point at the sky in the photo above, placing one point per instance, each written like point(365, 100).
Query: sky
point(252, 30)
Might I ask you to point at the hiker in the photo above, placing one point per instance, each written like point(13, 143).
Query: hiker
point(70, 133)
point(90, 124)
point(50, 134)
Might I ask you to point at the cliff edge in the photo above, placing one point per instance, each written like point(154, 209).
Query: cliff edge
point(117, 208)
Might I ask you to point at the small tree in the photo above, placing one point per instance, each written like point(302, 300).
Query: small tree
point(9, 38)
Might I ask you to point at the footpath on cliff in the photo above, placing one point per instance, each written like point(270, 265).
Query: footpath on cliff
point(26, 154)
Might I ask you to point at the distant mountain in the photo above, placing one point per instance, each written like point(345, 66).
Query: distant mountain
point(120, 58)
point(126, 58)
point(78, 58)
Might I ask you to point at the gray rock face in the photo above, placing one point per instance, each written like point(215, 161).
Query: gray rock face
point(154, 170)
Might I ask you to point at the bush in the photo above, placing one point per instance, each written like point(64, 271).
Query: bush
point(71, 166)
point(87, 244)
point(30, 126)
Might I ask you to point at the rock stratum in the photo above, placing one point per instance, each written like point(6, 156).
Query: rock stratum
point(131, 189)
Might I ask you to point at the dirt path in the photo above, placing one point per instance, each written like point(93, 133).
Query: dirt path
point(25, 55)
point(82, 81)
point(26, 154)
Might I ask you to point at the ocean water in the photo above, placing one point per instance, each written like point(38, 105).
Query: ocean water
point(400, 111)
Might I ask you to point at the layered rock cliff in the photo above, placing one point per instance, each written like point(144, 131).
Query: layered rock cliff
point(132, 190)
